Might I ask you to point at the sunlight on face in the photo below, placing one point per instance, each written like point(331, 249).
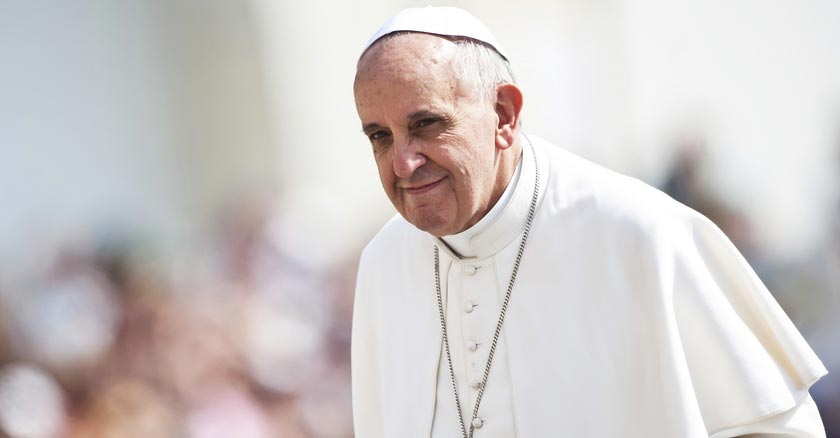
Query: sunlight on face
point(433, 141)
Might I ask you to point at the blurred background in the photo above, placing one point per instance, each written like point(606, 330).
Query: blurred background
point(184, 187)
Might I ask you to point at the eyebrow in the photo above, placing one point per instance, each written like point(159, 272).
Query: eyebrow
point(372, 127)
point(422, 113)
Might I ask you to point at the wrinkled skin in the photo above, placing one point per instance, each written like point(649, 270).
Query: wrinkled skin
point(444, 154)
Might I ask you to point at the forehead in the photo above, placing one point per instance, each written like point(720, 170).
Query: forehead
point(407, 59)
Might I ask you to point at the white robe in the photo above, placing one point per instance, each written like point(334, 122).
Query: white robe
point(632, 316)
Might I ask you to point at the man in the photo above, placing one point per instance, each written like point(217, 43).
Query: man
point(524, 292)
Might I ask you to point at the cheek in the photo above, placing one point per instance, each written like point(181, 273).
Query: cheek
point(467, 163)
point(383, 163)
point(384, 166)
point(475, 171)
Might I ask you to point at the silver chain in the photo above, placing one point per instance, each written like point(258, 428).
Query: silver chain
point(498, 332)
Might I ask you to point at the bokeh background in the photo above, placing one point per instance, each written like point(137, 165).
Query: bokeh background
point(184, 187)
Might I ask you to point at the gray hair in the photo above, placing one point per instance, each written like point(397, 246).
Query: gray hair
point(480, 67)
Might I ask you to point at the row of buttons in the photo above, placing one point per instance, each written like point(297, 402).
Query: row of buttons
point(469, 306)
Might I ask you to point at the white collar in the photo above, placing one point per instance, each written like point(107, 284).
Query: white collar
point(506, 220)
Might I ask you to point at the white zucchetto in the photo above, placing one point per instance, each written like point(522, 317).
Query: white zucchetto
point(445, 21)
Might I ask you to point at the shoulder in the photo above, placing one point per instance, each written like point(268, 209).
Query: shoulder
point(591, 197)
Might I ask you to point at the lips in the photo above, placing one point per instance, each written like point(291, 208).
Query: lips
point(422, 189)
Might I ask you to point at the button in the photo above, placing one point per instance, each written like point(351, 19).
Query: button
point(469, 306)
point(475, 383)
point(477, 423)
point(471, 269)
point(472, 345)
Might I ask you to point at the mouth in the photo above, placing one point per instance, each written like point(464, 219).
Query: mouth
point(419, 190)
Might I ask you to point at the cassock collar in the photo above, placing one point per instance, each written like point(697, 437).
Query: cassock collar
point(485, 240)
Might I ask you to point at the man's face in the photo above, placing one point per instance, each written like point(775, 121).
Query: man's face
point(433, 139)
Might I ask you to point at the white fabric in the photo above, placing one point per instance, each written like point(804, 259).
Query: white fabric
point(441, 20)
point(632, 316)
point(480, 284)
point(803, 420)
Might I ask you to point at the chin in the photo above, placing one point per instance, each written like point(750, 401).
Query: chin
point(432, 222)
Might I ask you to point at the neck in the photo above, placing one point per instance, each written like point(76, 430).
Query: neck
point(460, 242)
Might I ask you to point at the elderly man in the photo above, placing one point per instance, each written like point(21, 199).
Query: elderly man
point(525, 292)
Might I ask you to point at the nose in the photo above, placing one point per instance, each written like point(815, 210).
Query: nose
point(407, 158)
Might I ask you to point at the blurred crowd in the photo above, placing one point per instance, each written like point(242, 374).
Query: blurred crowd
point(103, 337)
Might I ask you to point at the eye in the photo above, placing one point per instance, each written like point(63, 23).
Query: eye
point(426, 122)
point(378, 135)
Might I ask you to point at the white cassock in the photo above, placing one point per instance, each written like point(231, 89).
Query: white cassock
point(632, 316)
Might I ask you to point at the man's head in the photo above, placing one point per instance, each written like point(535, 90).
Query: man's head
point(442, 116)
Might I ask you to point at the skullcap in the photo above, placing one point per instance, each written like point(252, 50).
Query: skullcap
point(444, 20)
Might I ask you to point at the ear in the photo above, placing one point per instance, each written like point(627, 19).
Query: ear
point(508, 107)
